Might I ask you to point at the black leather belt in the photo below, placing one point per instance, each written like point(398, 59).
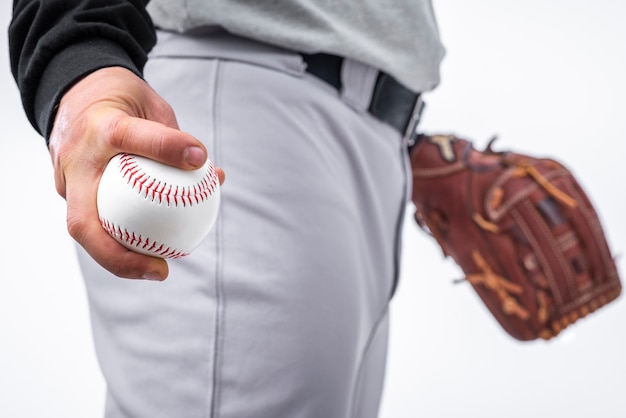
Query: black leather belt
point(391, 102)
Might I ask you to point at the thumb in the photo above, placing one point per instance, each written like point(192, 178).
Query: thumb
point(159, 142)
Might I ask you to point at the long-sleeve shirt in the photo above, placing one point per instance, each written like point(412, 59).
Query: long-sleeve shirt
point(54, 43)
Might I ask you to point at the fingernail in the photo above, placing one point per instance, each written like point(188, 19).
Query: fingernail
point(154, 276)
point(195, 156)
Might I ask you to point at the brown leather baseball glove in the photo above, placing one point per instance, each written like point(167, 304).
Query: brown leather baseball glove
point(522, 230)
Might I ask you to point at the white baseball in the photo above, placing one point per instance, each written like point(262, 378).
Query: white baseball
point(155, 209)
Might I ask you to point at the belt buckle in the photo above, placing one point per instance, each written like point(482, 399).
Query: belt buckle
point(410, 134)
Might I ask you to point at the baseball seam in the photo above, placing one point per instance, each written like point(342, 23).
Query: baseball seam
point(144, 243)
point(157, 190)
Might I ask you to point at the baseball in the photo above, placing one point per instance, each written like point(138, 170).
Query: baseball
point(155, 209)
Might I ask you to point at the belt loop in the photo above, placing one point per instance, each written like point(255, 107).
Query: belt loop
point(358, 81)
point(411, 131)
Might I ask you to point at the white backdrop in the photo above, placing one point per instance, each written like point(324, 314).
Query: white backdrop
point(547, 76)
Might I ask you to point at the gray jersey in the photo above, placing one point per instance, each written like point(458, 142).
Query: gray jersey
point(398, 37)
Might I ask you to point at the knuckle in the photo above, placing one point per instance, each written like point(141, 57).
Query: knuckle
point(118, 270)
point(159, 146)
point(117, 133)
point(76, 227)
point(60, 188)
point(59, 183)
point(164, 112)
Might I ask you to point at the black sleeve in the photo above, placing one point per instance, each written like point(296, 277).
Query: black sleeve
point(54, 43)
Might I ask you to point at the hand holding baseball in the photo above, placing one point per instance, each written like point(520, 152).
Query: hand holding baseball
point(155, 209)
point(108, 112)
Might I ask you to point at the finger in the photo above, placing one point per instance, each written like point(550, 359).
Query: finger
point(84, 226)
point(220, 175)
point(117, 259)
point(158, 142)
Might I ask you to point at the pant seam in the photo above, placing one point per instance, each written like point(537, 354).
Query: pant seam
point(407, 184)
point(362, 360)
point(218, 326)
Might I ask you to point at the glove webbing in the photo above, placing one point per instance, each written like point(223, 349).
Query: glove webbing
point(524, 169)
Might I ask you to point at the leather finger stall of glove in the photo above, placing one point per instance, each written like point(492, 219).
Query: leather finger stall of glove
point(522, 230)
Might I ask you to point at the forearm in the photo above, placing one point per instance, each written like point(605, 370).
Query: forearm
point(54, 43)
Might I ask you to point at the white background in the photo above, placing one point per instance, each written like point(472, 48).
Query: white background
point(547, 76)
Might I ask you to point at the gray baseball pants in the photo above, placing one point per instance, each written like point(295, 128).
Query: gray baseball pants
point(283, 310)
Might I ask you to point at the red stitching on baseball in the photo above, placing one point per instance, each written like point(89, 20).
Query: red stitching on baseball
point(159, 191)
point(138, 241)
